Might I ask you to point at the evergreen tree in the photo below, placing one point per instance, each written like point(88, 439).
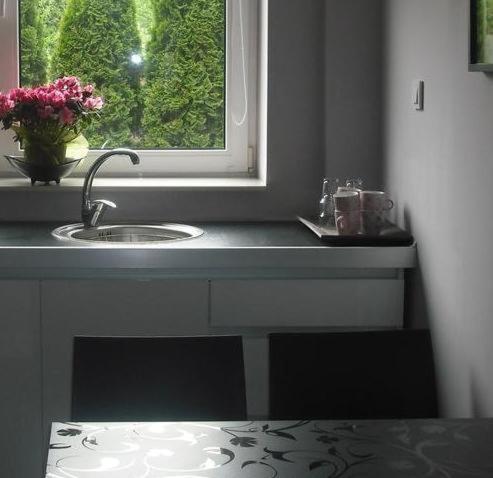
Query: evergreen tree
point(51, 13)
point(144, 21)
point(33, 53)
point(96, 42)
point(184, 92)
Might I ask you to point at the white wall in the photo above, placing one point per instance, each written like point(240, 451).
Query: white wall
point(439, 166)
point(353, 93)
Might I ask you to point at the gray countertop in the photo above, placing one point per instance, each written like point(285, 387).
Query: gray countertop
point(216, 235)
point(238, 249)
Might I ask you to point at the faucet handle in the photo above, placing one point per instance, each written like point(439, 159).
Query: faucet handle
point(103, 204)
point(98, 208)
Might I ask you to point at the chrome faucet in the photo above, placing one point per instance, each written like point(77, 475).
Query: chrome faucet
point(93, 211)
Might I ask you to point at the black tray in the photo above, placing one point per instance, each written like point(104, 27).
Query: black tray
point(390, 236)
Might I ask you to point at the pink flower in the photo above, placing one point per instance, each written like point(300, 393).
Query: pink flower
point(67, 83)
point(6, 105)
point(67, 116)
point(40, 95)
point(66, 100)
point(88, 90)
point(22, 95)
point(93, 103)
point(70, 86)
point(56, 99)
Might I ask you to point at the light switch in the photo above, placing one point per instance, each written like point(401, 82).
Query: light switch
point(418, 95)
point(2, 8)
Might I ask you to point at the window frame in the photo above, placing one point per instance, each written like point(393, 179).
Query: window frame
point(244, 86)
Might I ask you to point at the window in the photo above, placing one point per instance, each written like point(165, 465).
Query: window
point(179, 77)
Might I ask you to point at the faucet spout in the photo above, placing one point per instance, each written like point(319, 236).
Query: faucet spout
point(92, 211)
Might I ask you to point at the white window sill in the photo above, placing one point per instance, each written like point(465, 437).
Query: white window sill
point(23, 184)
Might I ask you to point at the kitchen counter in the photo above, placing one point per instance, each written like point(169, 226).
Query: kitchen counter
point(28, 250)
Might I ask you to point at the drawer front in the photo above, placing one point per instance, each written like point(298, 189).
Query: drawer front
point(307, 303)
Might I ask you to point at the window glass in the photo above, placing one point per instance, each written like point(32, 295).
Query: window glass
point(159, 65)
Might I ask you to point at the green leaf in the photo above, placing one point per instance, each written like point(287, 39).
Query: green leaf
point(78, 148)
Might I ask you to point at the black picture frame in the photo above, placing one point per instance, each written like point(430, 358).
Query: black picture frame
point(475, 63)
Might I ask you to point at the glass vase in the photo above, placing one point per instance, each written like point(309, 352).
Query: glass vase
point(43, 162)
point(46, 154)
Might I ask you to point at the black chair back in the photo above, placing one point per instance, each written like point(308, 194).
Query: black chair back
point(351, 375)
point(158, 379)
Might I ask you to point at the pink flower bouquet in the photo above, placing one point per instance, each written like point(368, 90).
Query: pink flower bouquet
point(48, 119)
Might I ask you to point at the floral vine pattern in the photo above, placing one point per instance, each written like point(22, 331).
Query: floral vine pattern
point(315, 449)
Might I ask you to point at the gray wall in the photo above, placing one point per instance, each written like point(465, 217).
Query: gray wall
point(299, 48)
point(353, 95)
point(439, 167)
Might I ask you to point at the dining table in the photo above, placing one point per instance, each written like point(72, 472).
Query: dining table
point(419, 448)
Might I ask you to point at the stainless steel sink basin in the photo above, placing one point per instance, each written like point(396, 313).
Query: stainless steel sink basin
point(127, 233)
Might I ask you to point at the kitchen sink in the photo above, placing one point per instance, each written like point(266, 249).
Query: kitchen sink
point(93, 231)
point(127, 233)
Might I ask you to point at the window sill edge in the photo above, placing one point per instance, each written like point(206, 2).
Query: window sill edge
point(147, 184)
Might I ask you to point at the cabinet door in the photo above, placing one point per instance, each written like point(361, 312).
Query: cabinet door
point(111, 308)
point(20, 381)
point(365, 303)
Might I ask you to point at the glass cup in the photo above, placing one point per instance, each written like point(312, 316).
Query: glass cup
point(354, 184)
point(326, 205)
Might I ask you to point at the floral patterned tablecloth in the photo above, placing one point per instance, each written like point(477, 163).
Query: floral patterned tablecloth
point(261, 449)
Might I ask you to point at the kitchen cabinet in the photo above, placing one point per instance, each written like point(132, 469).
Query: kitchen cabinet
point(352, 302)
point(40, 319)
point(20, 380)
